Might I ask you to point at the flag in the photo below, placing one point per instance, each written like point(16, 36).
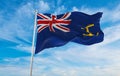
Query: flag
point(57, 30)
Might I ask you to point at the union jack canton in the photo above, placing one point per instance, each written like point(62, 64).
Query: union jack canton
point(53, 22)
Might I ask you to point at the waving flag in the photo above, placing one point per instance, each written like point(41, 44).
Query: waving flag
point(57, 30)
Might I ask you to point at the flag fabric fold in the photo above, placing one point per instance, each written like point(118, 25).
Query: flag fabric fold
point(57, 30)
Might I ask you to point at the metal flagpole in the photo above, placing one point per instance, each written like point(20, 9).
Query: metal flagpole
point(33, 45)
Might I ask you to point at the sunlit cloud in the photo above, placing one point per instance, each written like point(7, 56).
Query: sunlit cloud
point(60, 10)
point(42, 6)
point(77, 60)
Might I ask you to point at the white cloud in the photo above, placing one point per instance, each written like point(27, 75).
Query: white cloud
point(102, 62)
point(112, 34)
point(112, 16)
point(71, 71)
point(19, 28)
point(24, 48)
point(60, 10)
point(43, 6)
point(13, 29)
point(75, 9)
point(13, 71)
point(98, 62)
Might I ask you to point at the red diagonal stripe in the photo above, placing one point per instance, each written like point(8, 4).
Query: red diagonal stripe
point(42, 28)
point(42, 16)
point(64, 16)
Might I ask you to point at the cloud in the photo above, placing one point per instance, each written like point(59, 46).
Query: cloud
point(76, 61)
point(43, 6)
point(14, 67)
point(60, 10)
point(25, 48)
point(111, 34)
point(112, 16)
point(13, 71)
point(19, 28)
point(15, 29)
point(75, 9)
point(74, 71)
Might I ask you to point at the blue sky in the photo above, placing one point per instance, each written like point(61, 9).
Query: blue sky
point(16, 29)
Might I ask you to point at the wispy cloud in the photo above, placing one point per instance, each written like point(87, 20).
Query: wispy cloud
point(43, 6)
point(96, 62)
point(19, 28)
point(60, 10)
point(21, 23)
point(111, 34)
point(15, 27)
point(112, 16)
point(13, 71)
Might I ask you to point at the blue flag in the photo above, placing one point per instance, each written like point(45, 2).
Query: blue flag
point(57, 30)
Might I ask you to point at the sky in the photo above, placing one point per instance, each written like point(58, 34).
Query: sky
point(16, 30)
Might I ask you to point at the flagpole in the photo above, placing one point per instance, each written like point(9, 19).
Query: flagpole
point(33, 44)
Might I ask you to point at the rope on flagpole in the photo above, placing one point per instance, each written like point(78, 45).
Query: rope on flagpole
point(33, 44)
